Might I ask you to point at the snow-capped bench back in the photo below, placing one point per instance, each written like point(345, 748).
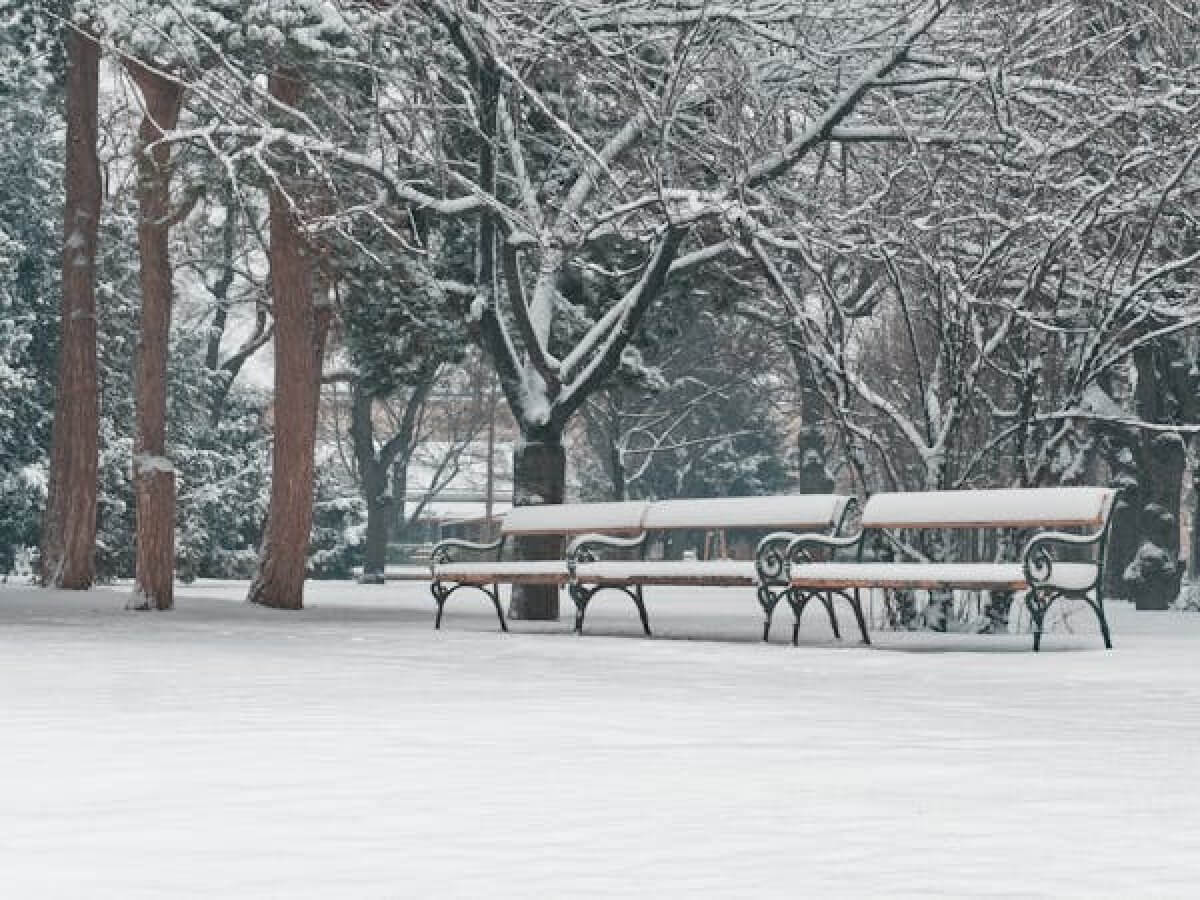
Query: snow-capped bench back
point(1037, 573)
point(798, 511)
point(575, 518)
point(1063, 507)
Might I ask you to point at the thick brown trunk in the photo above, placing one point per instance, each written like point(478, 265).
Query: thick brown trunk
point(153, 476)
point(539, 476)
point(69, 530)
point(300, 326)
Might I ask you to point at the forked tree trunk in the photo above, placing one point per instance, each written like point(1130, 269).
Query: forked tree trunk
point(539, 477)
point(300, 326)
point(153, 475)
point(69, 529)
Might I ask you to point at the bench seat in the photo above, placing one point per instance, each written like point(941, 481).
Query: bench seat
point(550, 571)
point(935, 576)
point(717, 572)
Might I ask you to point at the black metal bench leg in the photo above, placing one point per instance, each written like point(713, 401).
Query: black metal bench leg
point(768, 601)
point(855, 601)
point(581, 596)
point(827, 600)
point(439, 597)
point(797, 601)
point(495, 594)
point(1037, 612)
point(1097, 606)
point(641, 608)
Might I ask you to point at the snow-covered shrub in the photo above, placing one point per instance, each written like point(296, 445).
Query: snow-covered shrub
point(338, 531)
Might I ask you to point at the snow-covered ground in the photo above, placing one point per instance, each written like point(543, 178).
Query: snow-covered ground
point(351, 751)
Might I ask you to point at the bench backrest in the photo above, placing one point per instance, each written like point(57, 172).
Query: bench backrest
point(801, 512)
point(575, 518)
point(1062, 507)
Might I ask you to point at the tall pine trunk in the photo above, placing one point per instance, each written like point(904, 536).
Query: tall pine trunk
point(69, 530)
point(153, 475)
point(300, 327)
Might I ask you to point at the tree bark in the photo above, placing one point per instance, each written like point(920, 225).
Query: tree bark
point(300, 327)
point(1152, 577)
point(153, 476)
point(373, 477)
point(539, 477)
point(69, 531)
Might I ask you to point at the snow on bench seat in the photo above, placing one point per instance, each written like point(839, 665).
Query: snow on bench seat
point(717, 572)
point(933, 576)
point(548, 571)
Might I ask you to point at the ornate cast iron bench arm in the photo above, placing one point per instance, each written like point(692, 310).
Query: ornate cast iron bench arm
point(584, 549)
point(797, 548)
point(440, 591)
point(772, 559)
point(1038, 564)
point(441, 551)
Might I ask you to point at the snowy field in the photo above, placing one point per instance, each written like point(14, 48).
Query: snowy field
point(351, 751)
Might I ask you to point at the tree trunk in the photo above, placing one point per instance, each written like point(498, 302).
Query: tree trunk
point(69, 531)
point(1155, 571)
point(1152, 577)
point(300, 326)
point(539, 476)
point(153, 476)
point(1123, 538)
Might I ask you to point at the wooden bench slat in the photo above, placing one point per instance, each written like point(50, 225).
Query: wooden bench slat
point(549, 571)
point(715, 573)
point(934, 576)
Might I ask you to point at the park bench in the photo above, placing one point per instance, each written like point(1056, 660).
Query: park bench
point(889, 519)
point(590, 573)
point(598, 529)
point(450, 574)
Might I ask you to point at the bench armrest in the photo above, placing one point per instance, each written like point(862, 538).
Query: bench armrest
point(584, 547)
point(1038, 561)
point(770, 557)
point(798, 547)
point(781, 548)
point(441, 551)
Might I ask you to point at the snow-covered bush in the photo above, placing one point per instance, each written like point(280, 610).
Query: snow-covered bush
point(338, 532)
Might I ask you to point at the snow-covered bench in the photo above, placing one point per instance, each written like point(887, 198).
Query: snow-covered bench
point(1042, 577)
point(486, 575)
point(589, 574)
point(596, 527)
